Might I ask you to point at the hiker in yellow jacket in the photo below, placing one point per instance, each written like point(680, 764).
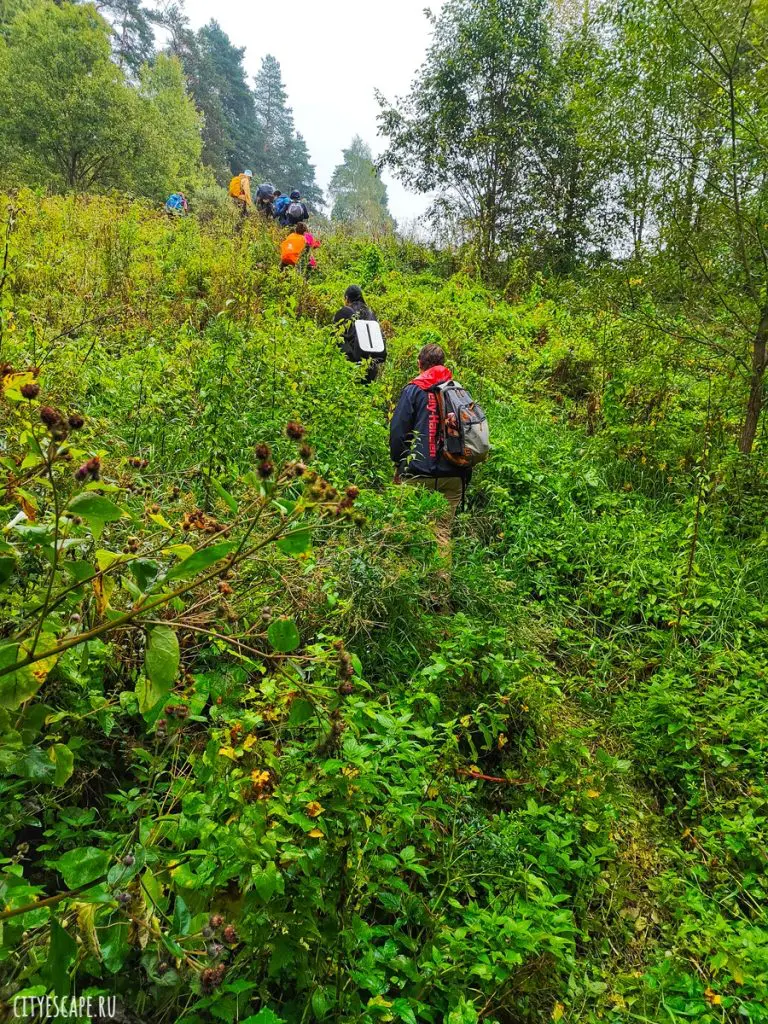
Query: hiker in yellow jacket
point(240, 190)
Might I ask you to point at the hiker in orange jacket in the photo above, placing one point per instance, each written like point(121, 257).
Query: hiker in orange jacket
point(293, 246)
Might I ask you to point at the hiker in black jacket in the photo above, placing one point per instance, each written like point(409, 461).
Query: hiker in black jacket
point(355, 308)
point(415, 435)
point(295, 212)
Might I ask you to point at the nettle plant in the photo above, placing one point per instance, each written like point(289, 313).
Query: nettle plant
point(109, 598)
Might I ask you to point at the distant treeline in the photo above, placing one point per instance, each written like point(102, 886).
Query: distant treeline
point(89, 102)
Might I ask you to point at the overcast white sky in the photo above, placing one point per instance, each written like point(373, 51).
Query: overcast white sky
point(333, 54)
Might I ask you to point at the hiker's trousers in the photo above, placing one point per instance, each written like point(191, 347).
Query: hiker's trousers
point(449, 486)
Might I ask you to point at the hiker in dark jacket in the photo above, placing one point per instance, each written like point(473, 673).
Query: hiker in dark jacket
point(415, 435)
point(295, 212)
point(355, 308)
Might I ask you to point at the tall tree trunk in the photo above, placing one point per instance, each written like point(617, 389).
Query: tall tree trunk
point(566, 258)
point(755, 403)
point(689, 192)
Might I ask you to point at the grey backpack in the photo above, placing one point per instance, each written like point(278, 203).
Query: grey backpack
point(295, 213)
point(463, 425)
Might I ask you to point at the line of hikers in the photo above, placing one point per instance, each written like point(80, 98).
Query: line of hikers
point(437, 433)
point(288, 211)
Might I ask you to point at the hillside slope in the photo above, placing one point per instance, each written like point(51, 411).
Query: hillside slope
point(253, 772)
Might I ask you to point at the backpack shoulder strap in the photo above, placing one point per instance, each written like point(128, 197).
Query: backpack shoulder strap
point(349, 334)
point(438, 390)
point(350, 321)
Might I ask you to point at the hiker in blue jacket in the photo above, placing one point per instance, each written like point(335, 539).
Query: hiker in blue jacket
point(176, 204)
point(279, 206)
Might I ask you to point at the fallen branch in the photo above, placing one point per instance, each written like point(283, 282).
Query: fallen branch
point(491, 778)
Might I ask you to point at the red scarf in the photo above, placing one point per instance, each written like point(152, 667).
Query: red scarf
point(434, 375)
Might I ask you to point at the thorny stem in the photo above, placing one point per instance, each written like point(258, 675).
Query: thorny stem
point(491, 778)
point(50, 901)
point(697, 514)
point(62, 595)
point(139, 406)
point(211, 451)
point(49, 456)
point(128, 617)
point(126, 560)
point(9, 229)
point(76, 327)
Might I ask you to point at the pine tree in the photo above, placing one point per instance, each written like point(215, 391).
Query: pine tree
point(282, 154)
point(358, 193)
point(133, 35)
point(224, 63)
point(218, 84)
point(185, 45)
point(275, 123)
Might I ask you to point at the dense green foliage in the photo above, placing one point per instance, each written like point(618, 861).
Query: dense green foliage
point(475, 124)
point(264, 756)
point(225, 691)
point(69, 119)
point(563, 138)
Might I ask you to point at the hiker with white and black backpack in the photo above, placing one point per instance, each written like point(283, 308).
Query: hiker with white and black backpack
point(362, 340)
point(438, 433)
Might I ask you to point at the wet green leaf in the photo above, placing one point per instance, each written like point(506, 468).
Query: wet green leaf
point(95, 510)
point(161, 660)
point(200, 561)
point(297, 543)
point(283, 635)
point(82, 865)
point(64, 760)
